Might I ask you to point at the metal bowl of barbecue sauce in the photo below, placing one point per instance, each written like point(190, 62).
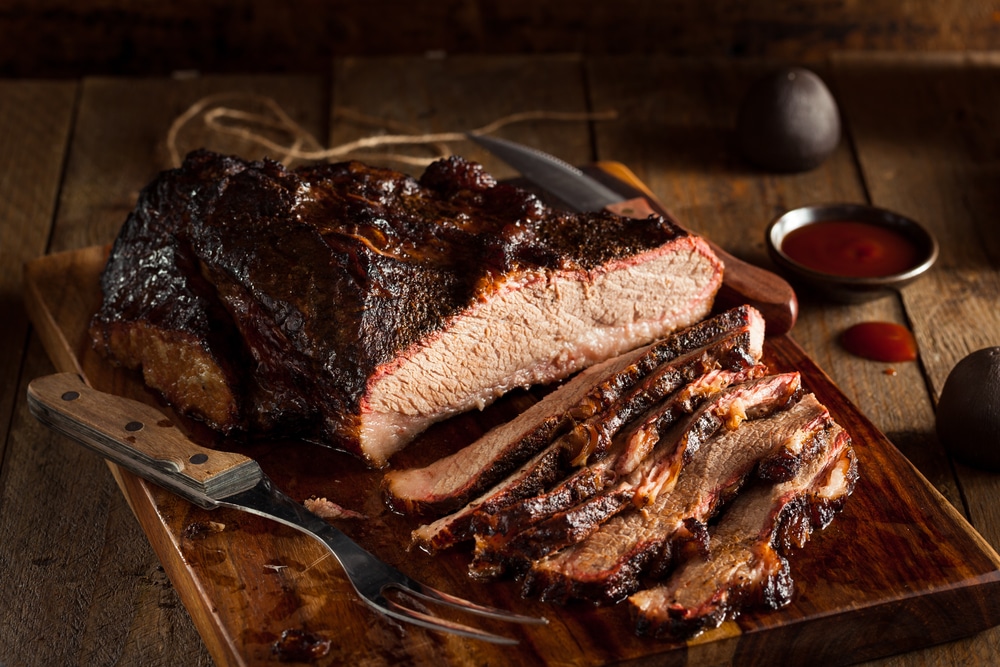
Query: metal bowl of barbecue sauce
point(851, 252)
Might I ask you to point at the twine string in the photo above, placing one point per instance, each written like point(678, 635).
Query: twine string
point(218, 115)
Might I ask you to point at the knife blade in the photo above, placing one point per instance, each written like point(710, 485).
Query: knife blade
point(742, 282)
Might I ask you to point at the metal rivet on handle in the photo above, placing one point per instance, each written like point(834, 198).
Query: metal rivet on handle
point(198, 458)
point(134, 426)
point(71, 396)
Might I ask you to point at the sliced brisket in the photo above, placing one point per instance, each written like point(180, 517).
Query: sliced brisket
point(655, 475)
point(746, 566)
point(606, 565)
point(604, 395)
point(451, 481)
point(638, 440)
point(595, 477)
point(735, 350)
point(540, 472)
point(358, 305)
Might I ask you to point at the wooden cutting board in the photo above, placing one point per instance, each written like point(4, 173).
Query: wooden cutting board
point(898, 569)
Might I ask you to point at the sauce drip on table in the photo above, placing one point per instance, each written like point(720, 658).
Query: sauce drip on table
point(851, 249)
point(880, 341)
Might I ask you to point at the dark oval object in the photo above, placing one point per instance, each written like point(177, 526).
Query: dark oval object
point(850, 288)
point(968, 413)
point(788, 121)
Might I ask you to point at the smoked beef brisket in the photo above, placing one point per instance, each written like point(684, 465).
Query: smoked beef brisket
point(597, 477)
point(746, 564)
point(619, 390)
point(358, 305)
point(582, 415)
point(700, 470)
point(608, 564)
point(658, 474)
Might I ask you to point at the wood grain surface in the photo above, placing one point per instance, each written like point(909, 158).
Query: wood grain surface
point(129, 37)
point(35, 119)
point(920, 136)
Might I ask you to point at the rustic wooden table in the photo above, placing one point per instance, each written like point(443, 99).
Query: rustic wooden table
point(79, 584)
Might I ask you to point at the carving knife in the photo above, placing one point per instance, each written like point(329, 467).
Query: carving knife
point(742, 282)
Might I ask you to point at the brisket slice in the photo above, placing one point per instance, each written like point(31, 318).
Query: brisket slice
point(727, 339)
point(735, 350)
point(540, 472)
point(523, 491)
point(657, 474)
point(451, 481)
point(638, 440)
point(590, 480)
point(746, 565)
point(606, 566)
point(357, 305)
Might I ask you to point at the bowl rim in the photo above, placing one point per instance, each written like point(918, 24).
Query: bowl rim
point(802, 216)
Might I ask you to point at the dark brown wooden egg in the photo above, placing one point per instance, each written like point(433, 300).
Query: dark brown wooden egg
point(788, 121)
point(968, 413)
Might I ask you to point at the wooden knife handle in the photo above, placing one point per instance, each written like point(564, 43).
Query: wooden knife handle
point(766, 291)
point(139, 438)
point(742, 282)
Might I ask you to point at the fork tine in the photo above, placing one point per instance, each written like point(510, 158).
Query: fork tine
point(433, 595)
point(408, 615)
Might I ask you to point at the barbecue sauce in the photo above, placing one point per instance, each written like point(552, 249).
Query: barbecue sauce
point(851, 249)
point(880, 341)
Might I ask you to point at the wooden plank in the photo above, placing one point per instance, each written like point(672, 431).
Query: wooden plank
point(35, 118)
point(927, 140)
point(434, 95)
point(120, 141)
point(677, 133)
point(35, 121)
point(130, 613)
point(131, 37)
point(927, 143)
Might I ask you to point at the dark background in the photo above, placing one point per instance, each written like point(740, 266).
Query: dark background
point(58, 38)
